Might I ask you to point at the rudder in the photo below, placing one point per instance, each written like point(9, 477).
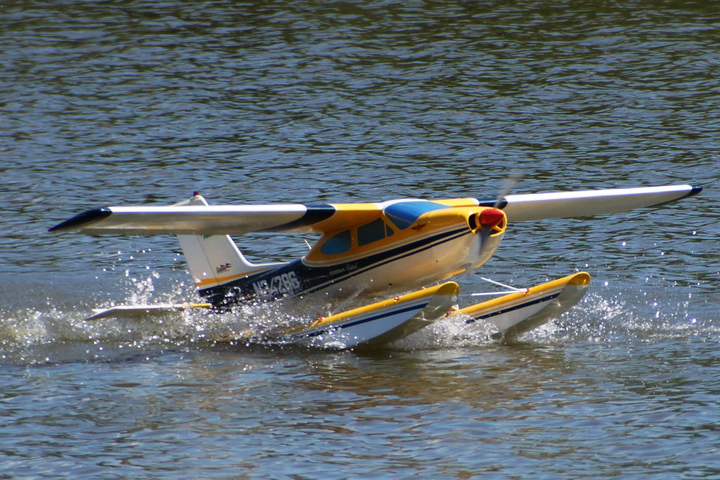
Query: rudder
point(215, 260)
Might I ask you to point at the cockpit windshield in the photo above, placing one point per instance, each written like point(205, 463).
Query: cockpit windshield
point(404, 214)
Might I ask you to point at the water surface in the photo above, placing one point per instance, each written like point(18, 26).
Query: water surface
point(132, 102)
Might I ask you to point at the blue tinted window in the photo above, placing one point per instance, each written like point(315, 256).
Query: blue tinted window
point(340, 243)
point(404, 214)
point(372, 232)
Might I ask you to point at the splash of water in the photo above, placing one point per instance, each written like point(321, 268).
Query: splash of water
point(62, 333)
point(53, 333)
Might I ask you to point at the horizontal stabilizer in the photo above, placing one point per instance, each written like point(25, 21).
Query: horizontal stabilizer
point(141, 311)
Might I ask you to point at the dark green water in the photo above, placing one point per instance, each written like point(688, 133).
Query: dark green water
point(130, 102)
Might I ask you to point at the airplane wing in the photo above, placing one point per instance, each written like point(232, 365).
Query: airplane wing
point(540, 206)
point(219, 219)
point(184, 219)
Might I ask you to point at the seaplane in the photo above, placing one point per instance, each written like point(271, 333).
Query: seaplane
point(380, 271)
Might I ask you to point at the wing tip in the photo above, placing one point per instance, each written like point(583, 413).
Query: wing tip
point(79, 221)
point(694, 190)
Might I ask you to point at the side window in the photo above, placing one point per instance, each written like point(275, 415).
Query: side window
point(372, 232)
point(340, 243)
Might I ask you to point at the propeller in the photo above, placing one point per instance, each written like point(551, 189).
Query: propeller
point(516, 175)
point(490, 219)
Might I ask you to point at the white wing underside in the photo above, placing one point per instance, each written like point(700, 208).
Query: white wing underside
point(540, 206)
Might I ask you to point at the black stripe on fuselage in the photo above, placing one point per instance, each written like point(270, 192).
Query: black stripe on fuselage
point(314, 279)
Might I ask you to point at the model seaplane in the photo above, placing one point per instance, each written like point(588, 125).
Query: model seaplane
point(406, 251)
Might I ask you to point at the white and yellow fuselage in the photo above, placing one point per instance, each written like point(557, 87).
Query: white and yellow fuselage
point(404, 245)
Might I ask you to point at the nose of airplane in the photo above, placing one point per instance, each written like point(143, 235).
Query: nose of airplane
point(491, 217)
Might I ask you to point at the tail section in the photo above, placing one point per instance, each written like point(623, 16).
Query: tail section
point(215, 260)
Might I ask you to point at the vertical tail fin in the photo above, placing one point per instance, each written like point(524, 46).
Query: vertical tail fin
point(215, 260)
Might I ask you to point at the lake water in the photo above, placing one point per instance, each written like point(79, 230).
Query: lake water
point(139, 102)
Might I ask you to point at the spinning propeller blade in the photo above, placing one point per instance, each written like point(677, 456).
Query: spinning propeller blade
point(513, 179)
point(491, 218)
